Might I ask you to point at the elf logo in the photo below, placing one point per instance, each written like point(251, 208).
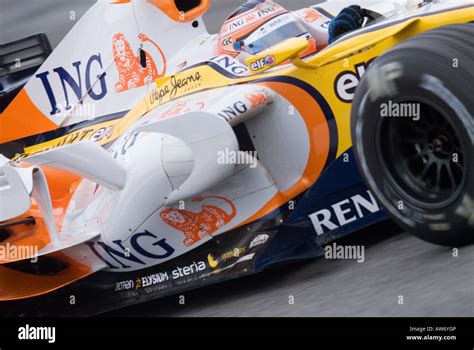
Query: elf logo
point(73, 83)
point(262, 63)
point(344, 212)
point(346, 82)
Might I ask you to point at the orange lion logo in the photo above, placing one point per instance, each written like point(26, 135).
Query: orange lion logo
point(131, 72)
point(311, 15)
point(257, 99)
point(176, 109)
point(250, 17)
point(196, 226)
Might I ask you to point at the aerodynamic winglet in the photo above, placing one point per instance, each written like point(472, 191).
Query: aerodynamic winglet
point(87, 159)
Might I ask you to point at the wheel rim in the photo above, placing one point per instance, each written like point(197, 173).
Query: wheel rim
point(424, 159)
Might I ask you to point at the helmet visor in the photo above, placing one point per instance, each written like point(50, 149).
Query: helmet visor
point(272, 33)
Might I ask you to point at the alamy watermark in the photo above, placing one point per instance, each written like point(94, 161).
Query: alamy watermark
point(228, 156)
point(75, 114)
point(11, 252)
point(37, 333)
point(400, 110)
point(345, 252)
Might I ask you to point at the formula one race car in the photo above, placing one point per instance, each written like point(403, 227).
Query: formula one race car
point(145, 157)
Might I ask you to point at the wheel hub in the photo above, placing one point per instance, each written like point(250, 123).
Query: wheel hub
point(425, 157)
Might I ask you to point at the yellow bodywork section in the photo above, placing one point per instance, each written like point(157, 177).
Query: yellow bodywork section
point(276, 55)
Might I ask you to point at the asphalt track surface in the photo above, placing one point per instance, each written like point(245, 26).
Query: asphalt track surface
point(431, 281)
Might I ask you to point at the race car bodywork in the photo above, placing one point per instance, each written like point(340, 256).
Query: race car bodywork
point(137, 164)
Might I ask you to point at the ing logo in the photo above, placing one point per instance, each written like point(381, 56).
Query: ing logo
point(66, 86)
point(81, 80)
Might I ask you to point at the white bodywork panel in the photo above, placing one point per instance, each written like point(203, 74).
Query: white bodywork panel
point(143, 230)
point(282, 142)
point(205, 134)
point(87, 159)
point(14, 195)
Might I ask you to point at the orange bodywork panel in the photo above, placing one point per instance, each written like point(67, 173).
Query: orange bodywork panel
point(19, 285)
point(61, 186)
point(319, 150)
point(168, 7)
point(22, 118)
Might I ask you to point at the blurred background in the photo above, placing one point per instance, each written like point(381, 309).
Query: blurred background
point(20, 18)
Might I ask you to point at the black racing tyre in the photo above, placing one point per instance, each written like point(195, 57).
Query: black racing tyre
point(412, 127)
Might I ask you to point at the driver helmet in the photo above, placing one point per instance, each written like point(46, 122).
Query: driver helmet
point(258, 25)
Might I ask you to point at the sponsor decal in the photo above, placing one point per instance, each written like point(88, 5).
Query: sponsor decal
point(236, 109)
point(196, 226)
point(227, 41)
point(131, 73)
point(151, 280)
point(311, 15)
point(231, 65)
point(102, 133)
point(347, 81)
point(262, 63)
point(140, 245)
point(175, 274)
point(81, 80)
point(99, 134)
point(124, 285)
point(257, 99)
point(257, 65)
point(176, 85)
point(344, 212)
point(250, 17)
point(214, 261)
point(188, 270)
point(121, 147)
point(269, 60)
point(259, 240)
point(245, 258)
point(37, 333)
point(176, 109)
point(254, 16)
point(180, 107)
point(233, 111)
